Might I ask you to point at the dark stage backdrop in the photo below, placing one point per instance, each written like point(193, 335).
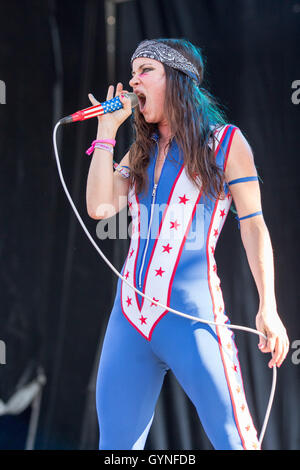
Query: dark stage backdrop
point(56, 291)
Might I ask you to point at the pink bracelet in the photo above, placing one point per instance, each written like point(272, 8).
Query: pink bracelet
point(109, 148)
point(107, 141)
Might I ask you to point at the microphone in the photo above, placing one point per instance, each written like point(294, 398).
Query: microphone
point(107, 107)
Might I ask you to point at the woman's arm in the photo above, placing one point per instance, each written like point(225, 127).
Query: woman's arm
point(106, 191)
point(257, 243)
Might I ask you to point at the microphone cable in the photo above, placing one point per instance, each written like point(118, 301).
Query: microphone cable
point(176, 312)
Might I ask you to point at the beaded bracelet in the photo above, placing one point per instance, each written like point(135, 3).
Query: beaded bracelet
point(105, 141)
point(122, 169)
point(104, 147)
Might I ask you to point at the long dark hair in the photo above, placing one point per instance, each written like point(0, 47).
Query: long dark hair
point(191, 111)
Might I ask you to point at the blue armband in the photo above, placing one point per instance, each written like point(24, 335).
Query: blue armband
point(247, 216)
point(242, 180)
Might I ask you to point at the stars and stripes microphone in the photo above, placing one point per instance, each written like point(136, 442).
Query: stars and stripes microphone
point(102, 108)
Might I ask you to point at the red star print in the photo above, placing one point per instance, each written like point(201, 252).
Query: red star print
point(238, 389)
point(229, 346)
point(234, 368)
point(228, 195)
point(130, 205)
point(212, 249)
point(153, 303)
point(159, 272)
point(216, 232)
point(222, 213)
point(247, 428)
point(174, 224)
point(128, 301)
point(220, 309)
point(214, 267)
point(131, 253)
point(243, 407)
point(167, 248)
point(143, 320)
point(183, 199)
point(126, 275)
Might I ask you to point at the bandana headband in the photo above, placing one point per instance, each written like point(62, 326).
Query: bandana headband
point(167, 55)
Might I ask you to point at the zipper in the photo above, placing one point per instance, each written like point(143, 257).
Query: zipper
point(150, 222)
point(149, 229)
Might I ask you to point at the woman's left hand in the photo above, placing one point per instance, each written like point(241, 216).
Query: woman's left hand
point(269, 323)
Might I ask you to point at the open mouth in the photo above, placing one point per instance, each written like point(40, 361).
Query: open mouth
point(142, 101)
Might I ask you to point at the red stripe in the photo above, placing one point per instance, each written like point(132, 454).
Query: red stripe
point(234, 129)
point(241, 377)
point(214, 309)
point(88, 116)
point(92, 110)
point(136, 257)
point(218, 332)
point(176, 263)
point(159, 230)
point(138, 248)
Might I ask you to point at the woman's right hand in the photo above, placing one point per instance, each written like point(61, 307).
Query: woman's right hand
point(115, 119)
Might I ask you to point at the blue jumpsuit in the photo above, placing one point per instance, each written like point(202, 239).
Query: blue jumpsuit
point(171, 259)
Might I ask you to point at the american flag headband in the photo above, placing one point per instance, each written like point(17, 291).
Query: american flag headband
point(167, 55)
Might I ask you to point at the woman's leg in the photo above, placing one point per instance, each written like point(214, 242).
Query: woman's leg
point(204, 361)
point(129, 381)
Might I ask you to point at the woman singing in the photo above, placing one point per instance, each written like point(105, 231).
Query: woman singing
point(183, 171)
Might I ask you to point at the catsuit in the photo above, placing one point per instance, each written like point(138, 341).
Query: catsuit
point(174, 232)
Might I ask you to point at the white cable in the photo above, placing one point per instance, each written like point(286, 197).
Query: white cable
point(233, 327)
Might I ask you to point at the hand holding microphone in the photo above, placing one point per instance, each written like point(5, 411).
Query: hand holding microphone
point(112, 113)
point(117, 117)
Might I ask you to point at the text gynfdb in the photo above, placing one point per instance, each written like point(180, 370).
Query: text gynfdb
point(152, 459)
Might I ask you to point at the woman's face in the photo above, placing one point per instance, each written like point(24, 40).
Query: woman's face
point(149, 84)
